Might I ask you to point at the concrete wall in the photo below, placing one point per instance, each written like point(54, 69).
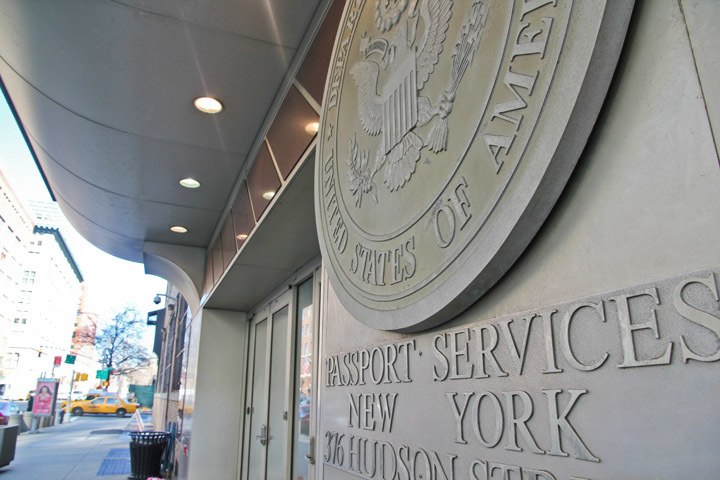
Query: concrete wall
point(216, 366)
point(643, 205)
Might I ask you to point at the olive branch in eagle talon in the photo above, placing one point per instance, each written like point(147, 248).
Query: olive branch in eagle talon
point(360, 177)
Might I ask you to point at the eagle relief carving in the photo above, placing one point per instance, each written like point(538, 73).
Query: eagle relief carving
point(397, 108)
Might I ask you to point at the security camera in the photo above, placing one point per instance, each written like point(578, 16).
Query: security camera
point(156, 300)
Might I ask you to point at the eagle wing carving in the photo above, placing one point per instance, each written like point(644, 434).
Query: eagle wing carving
point(436, 16)
point(365, 74)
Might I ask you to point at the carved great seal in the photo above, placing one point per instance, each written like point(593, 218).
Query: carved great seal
point(448, 132)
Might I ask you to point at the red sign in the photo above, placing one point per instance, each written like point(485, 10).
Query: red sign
point(57, 361)
point(45, 393)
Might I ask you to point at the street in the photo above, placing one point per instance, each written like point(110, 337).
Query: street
point(75, 450)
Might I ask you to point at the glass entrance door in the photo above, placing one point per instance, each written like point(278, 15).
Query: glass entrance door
point(304, 406)
point(280, 406)
point(266, 412)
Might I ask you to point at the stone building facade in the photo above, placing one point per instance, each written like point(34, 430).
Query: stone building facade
point(487, 251)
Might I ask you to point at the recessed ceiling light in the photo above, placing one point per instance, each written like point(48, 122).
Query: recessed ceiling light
point(178, 229)
point(208, 104)
point(189, 183)
point(312, 127)
point(242, 236)
point(268, 195)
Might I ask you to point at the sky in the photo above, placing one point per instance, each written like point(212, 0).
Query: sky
point(111, 283)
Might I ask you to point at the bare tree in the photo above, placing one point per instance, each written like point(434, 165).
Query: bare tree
point(85, 335)
point(119, 343)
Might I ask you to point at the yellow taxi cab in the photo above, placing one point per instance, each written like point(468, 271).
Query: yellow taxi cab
point(105, 405)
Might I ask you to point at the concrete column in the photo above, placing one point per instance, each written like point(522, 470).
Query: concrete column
point(217, 361)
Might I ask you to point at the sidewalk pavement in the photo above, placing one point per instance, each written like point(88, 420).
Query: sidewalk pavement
point(74, 450)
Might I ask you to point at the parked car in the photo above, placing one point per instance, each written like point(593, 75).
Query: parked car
point(76, 395)
point(7, 409)
point(103, 405)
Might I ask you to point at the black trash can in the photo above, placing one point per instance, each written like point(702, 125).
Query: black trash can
point(146, 453)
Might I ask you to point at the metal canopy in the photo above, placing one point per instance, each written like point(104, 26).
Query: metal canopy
point(280, 245)
point(104, 91)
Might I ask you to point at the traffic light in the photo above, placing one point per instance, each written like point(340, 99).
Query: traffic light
point(81, 377)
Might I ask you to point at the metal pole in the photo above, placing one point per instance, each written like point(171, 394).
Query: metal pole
point(72, 384)
point(34, 424)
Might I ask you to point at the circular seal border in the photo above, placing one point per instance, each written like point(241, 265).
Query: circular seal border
point(576, 94)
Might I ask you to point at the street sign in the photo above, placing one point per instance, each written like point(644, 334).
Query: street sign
point(57, 360)
point(68, 359)
point(102, 374)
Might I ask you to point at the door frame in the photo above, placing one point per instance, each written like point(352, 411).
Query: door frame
point(246, 438)
point(287, 299)
point(269, 305)
point(260, 314)
point(317, 282)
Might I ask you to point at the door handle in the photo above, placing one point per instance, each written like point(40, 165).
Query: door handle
point(264, 437)
point(310, 456)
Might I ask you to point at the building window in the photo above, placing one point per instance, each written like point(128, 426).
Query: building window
point(13, 360)
point(28, 277)
point(180, 344)
point(176, 337)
